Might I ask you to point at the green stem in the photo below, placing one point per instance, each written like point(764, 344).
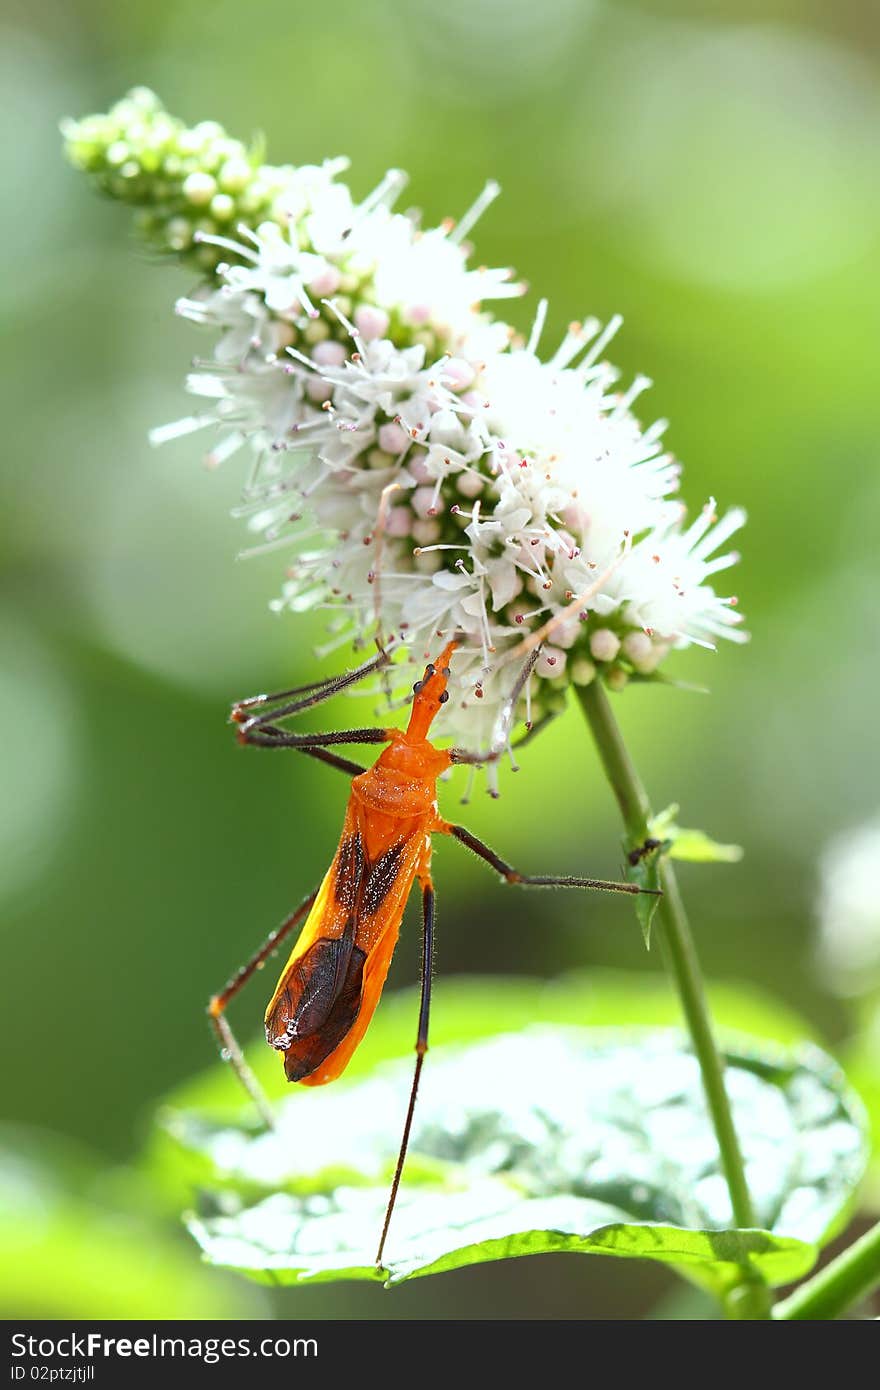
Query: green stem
point(847, 1279)
point(636, 811)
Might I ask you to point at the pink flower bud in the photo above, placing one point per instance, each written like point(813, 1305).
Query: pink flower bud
point(328, 354)
point(551, 662)
point(325, 283)
point(418, 469)
point(638, 647)
point(392, 438)
point(423, 501)
point(604, 644)
point(469, 484)
point(458, 375)
point(318, 390)
point(399, 522)
point(371, 322)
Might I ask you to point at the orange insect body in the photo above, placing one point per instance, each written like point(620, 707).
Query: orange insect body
point(332, 982)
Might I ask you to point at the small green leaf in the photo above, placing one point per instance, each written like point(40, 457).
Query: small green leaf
point(694, 846)
point(642, 866)
point(549, 1139)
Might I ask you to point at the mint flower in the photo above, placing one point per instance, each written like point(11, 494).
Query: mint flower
point(422, 468)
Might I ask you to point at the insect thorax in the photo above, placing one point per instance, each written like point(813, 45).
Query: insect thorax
point(394, 792)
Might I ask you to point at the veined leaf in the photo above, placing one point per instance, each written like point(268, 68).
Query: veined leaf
point(548, 1139)
point(334, 1237)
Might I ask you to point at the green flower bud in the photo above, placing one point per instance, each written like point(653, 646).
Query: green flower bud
point(141, 155)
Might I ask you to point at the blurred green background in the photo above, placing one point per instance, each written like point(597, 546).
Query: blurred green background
point(708, 170)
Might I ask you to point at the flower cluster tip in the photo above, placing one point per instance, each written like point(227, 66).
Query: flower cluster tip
point(427, 469)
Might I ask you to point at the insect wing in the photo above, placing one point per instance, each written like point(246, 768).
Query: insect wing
point(330, 986)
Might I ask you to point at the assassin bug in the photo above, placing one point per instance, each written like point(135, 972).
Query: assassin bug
point(331, 984)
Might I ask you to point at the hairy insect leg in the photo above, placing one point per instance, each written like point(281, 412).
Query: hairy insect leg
point(260, 735)
point(258, 709)
point(229, 1045)
point(323, 755)
point(421, 1049)
point(512, 875)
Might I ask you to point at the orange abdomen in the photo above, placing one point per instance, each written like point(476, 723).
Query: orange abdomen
point(332, 982)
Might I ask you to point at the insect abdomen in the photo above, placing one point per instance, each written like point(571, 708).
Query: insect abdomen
point(319, 1003)
point(333, 978)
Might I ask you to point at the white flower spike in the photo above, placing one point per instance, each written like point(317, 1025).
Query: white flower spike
point(424, 467)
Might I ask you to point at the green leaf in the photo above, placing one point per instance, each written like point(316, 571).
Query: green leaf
point(594, 1140)
point(335, 1237)
point(642, 866)
point(692, 845)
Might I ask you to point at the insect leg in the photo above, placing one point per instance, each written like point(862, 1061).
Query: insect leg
point(260, 735)
point(421, 1049)
point(512, 875)
point(229, 1045)
point(302, 697)
point(473, 757)
point(323, 755)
